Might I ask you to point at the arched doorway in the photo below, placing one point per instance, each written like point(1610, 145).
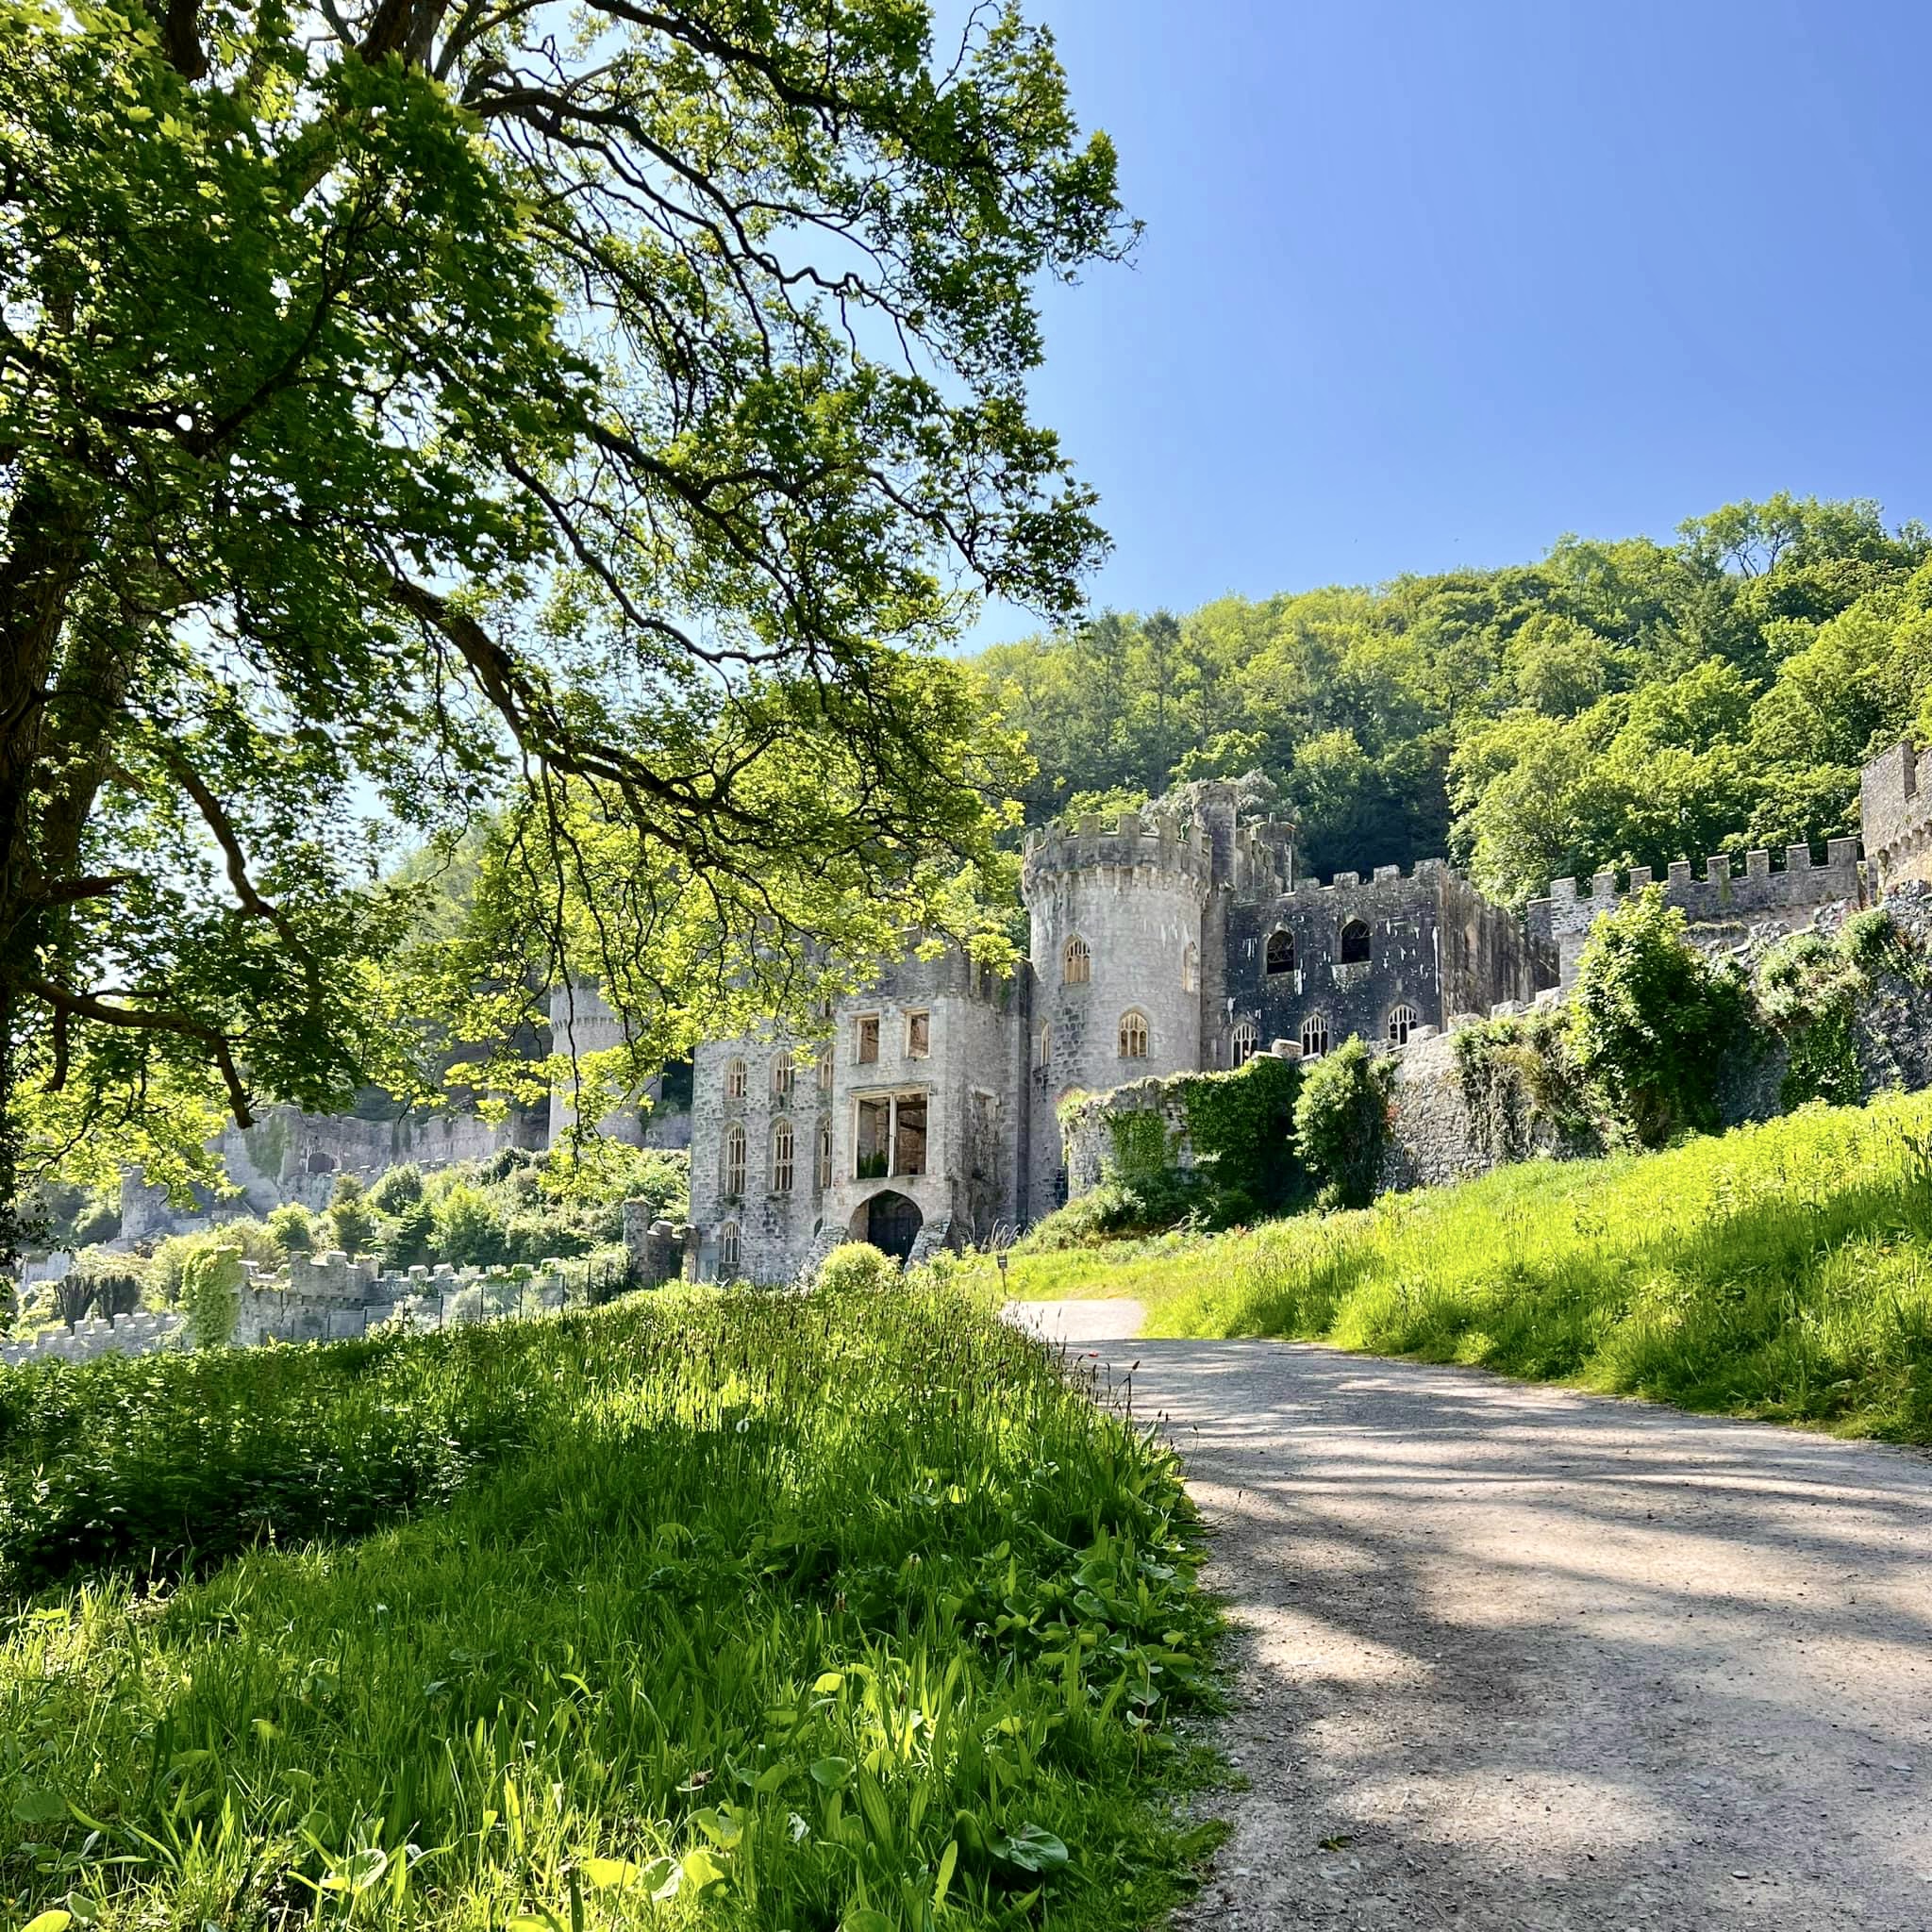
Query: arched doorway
point(890, 1222)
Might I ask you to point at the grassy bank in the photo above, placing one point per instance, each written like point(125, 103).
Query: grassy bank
point(742, 1611)
point(1782, 1271)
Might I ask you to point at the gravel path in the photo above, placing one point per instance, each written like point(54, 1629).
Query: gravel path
point(1514, 1657)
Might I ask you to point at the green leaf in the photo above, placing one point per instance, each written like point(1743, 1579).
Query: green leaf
point(949, 1862)
point(40, 1808)
point(56, 1921)
point(1033, 1849)
point(700, 1867)
point(865, 1919)
point(723, 1830)
point(828, 1682)
point(834, 1774)
point(600, 1873)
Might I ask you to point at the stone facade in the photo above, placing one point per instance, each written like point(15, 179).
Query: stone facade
point(1895, 810)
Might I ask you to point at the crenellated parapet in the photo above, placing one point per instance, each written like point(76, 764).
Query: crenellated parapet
point(1425, 871)
point(1761, 894)
point(1137, 847)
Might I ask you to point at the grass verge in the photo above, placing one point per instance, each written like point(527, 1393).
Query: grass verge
point(1782, 1271)
point(828, 1613)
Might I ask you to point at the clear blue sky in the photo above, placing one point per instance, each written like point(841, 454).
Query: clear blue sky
point(1429, 285)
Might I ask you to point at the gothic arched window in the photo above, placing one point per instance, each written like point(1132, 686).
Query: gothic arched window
point(1076, 963)
point(1402, 1021)
point(1355, 943)
point(824, 1154)
point(1314, 1037)
point(731, 1160)
point(1133, 1034)
point(1247, 1037)
point(734, 1078)
point(1045, 1047)
point(1280, 957)
point(727, 1250)
point(782, 1145)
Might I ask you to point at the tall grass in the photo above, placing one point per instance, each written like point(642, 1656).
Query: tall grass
point(782, 1613)
point(1782, 1271)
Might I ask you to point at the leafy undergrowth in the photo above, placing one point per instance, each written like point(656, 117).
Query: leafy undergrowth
point(1782, 1271)
point(841, 1613)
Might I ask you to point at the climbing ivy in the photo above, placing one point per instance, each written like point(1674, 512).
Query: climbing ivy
point(1342, 1122)
point(1522, 1085)
point(1809, 988)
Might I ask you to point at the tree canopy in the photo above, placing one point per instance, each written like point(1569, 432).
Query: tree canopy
point(425, 414)
point(1615, 703)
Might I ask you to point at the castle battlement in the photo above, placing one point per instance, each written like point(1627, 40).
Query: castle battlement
point(1424, 871)
point(1719, 893)
point(1137, 843)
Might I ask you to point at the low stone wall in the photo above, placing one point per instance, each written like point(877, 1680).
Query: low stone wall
point(136, 1334)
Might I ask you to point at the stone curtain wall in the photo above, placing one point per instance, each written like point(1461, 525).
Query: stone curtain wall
point(1895, 810)
point(136, 1334)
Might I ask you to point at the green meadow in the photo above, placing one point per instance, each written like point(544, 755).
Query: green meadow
point(1782, 1271)
point(837, 1614)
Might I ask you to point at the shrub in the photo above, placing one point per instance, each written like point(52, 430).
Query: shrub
point(349, 1216)
point(858, 1268)
point(291, 1230)
point(468, 1231)
point(1342, 1122)
point(400, 1188)
point(212, 1295)
point(1651, 1020)
point(408, 1240)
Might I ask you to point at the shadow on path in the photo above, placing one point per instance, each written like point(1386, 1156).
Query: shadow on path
point(1526, 1658)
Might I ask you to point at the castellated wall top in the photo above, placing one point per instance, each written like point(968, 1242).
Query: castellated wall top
point(1153, 841)
point(1719, 893)
point(1895, 808)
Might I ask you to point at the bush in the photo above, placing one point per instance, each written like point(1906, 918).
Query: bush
point(1342, 1122)
point(349, 1216)
point(858, 1268)
point(1651, 1020)
point(400, 1188)
point(410, 1240)
point(291, 1230)
point(468, 1231)
point(211, 1296)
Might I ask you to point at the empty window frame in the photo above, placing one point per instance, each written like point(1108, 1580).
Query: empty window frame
point(1247, 1037)
point(784, 1075)
point(1190, 969)
point(865, 1039)
point(825, 1072)
point(1076, 963)
point(1280, 958)
point(918, 1036)
point(1133, 1034)
point(734, 1078)
point(1045, 1048)
point(783, 1146)
point(727, 1250)
point(1314, 1037)
point(1402, 1021)
point(825, 1168)
point(891, 1136)
point(1355, 943)
point(731, 1161)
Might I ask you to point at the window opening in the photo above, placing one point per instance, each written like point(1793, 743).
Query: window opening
point(825, 1155)
point(867, 1040)
point(782, 1157)
point(1190, 969)
point(732, 1173)
point(1280, 952)
point(727, 1249)
point(1247, 1037)
point(1355, 943)
point(734, 1079)
point(826, 1073)
point(1076, 966)
point(1314, 1038)
point(1402, 1023)
point(908, 1134)
point(1133, 1036)
point(1045, 1047)
point(890, 1137)
point(918, 1036)
point(784, 1073)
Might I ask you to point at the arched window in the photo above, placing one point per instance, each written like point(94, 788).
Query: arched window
point(1355, 943)
point(727, 1250)
point(1076, 963)
point(1247, 1037)
point(782, 1157)
point(825, 1155)
point(825, 1072)
point(731, 1160)
point(734, 1079)
point(1402, 1023)
point(1314, 1037)
point(1190, 969)
point(1045, 1047)
point(1280, 952)
point(1133, 1034)
point(784, 1072)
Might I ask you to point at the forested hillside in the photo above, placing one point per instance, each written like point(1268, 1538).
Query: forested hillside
point(1615, 703)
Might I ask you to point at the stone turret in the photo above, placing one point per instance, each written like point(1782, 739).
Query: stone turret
point(1116, 914)
point(1896, 808)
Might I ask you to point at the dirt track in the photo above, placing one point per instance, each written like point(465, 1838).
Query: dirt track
point(1513, 1657)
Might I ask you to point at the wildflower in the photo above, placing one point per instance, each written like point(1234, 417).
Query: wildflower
point(798, 1826)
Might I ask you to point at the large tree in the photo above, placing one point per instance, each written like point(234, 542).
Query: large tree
point(422, 411)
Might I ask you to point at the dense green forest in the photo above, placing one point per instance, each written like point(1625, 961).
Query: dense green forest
point(1615, 703)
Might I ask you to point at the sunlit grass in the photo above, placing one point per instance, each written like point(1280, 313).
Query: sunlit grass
point(779, 1614)
point(1782, 1271)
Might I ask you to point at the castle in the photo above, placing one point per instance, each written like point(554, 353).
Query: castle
point(922, 1114)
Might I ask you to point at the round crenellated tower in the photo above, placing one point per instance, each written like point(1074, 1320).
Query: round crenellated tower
point(1116, 915)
